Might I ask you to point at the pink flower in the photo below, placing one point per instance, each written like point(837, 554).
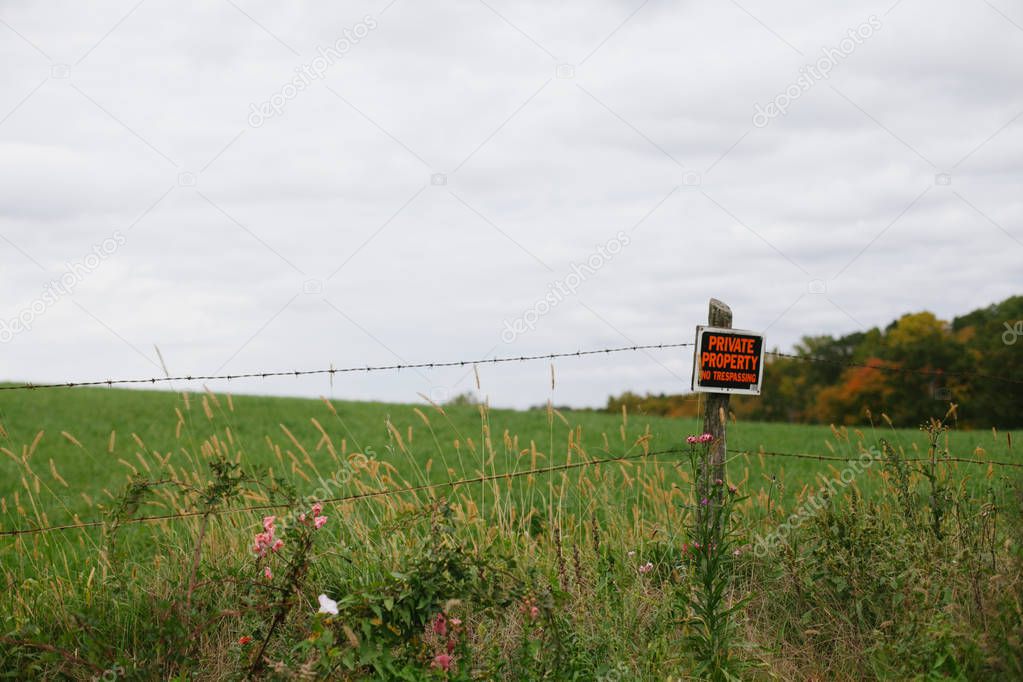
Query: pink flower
point(277, 545)
point(244, 640)
point(440, 625)
point(268, 574)
point(442, 661)
point(319, 521)
point(732, 488)
point(265, 540)
point(301, 517)
point(704, 502)
point(646, 568)
point(692, 440)
point(705, 438)
point(533, 612)
point(317, 509)
point(455, 622)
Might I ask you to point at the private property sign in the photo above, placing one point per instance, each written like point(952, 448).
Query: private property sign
point(728, 361)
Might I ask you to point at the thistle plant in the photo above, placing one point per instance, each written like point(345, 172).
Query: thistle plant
point(711, 550)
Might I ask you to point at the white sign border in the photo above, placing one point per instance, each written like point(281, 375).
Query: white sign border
point(700, 329)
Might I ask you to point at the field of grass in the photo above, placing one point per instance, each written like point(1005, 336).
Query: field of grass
point(551, 573)
point(94, 437)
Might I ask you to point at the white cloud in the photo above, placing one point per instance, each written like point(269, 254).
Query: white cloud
point(539, 169)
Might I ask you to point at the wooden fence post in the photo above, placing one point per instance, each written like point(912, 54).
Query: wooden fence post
point(715, 418)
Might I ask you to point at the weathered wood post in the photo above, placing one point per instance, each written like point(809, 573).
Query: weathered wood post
point(715, 415)
point(715, 419)
point(725, 361)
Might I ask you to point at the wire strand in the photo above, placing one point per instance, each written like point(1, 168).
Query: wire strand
point(478, 479)
point(832, 458)
point(343, 370)
point(483, 361)
point(347, 498)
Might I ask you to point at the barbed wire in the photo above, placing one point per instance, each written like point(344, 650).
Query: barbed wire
point(346, 370)
point(350, 498)
point(835, 458)
point(485, 361)
point(479, 479)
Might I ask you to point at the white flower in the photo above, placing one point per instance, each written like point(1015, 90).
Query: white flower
point(328, 605)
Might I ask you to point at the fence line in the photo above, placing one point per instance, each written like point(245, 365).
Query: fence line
point(832, 458)
point(344, 370)
point(356, 497)
point(485, 361)
point(479, 479)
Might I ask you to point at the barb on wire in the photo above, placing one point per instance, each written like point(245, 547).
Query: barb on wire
point(885, 368)
point(345, 370)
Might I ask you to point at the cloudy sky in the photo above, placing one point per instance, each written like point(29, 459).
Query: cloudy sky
point(253, 185)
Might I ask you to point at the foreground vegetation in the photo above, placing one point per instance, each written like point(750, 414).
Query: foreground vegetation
point(873, 566)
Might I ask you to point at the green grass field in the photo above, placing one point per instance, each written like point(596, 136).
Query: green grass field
point(907, 574)
point(94, 437)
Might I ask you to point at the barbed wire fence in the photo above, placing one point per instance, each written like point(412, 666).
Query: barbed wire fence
point(483, 479)
point(425, 487)
point(331, 371)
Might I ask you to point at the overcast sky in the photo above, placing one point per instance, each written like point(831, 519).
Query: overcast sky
point(253, 185)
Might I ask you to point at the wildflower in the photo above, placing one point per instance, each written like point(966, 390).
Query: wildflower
point(327, 605)
point(277, 545)
point(265, 540)
point(705, 438)
point(631, 554)
point(455, 622)
point(301, 517)
point(704, 502)
point(718, 481)
point(692, 440)
point(317, 509)
point(440, 625)
point(646, 568)
point(732, 489)
point(319, 521)
point(528, 606)
point(442, 661)
point(268, 574)
point(685, 548)
point(737, 552)
point(244, 640)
